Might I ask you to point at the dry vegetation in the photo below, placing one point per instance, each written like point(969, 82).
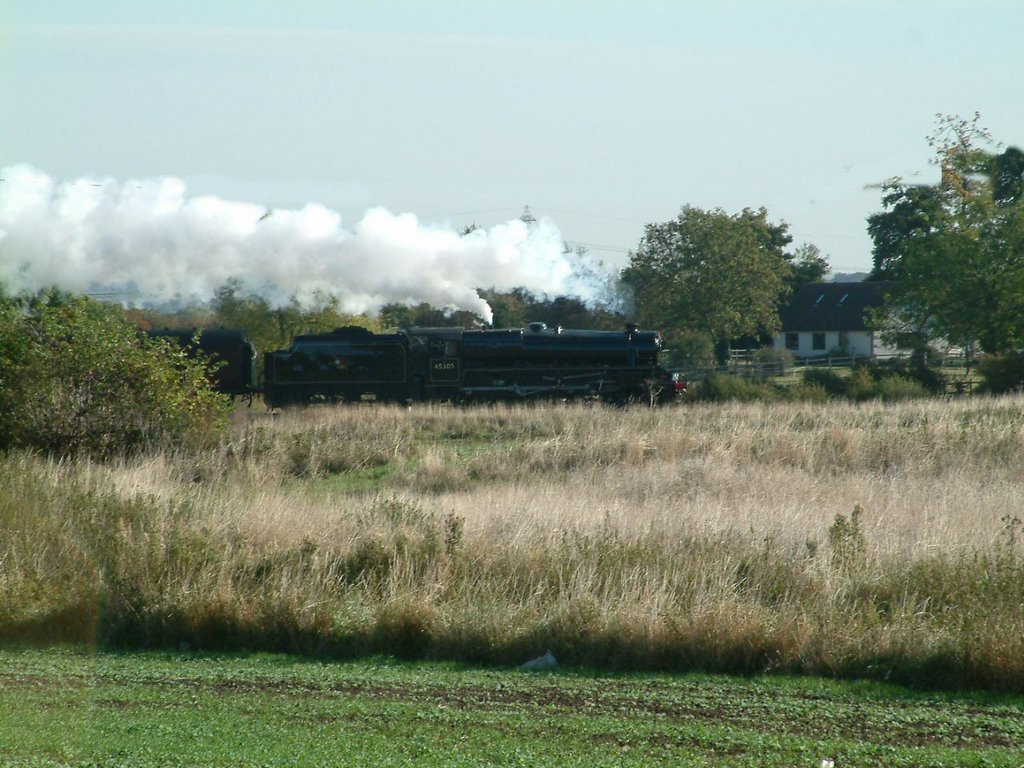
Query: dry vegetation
point(842, 539)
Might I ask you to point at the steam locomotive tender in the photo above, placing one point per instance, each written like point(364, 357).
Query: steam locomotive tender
point(233, 355)
point(451, 364)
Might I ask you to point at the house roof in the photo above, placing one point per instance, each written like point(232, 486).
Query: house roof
point(831, 306)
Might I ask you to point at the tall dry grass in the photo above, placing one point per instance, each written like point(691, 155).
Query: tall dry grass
point(879, 540)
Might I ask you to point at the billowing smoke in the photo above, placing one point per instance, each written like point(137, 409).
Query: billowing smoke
point(150, 238)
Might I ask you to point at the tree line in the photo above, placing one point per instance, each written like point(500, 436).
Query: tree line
point(77, 374)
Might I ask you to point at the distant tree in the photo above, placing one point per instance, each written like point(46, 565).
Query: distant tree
point(396, 315)
point(269, 326)
point(516, 308)
point(712, 273)
point(194, 316)
point(808, 265)
point(911, 214)
point(511, 308)
point(959, 266)
point(573, 312)
point(1007, 177)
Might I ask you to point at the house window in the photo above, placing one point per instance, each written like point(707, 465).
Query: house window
point(793, 341)
point(844, 340)
point(818, 342)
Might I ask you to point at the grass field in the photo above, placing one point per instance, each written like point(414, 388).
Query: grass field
point(75, 708)
point(880, 541)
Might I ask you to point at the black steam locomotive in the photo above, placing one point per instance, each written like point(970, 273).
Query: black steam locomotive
point(451, 364)
point(353, 364)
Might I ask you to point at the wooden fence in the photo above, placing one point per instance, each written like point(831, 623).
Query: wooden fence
point(745, 363)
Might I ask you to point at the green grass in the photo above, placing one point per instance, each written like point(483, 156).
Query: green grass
point(78, 708)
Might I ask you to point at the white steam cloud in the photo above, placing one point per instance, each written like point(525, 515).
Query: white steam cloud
point(150, 237)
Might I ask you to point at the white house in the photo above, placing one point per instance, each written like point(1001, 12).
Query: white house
point(829, 318)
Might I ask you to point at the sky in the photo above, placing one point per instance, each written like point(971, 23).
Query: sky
point(601, 116)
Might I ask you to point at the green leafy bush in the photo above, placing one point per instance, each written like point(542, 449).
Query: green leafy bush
point(914, 368)
point(861, 385)
point(892, 388)
point(830, 381)
point(809, 392)
point(719, 387)
point(901, 380)
point(77, 377)
point(1002, 373)
point(770, 357)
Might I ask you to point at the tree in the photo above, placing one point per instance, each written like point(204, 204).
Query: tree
point(1008, 176)
point(911, 213)
point(719, 275)
point(808, 265)
point(955, 250)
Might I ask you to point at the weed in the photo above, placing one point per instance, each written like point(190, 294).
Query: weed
point(1011, 530)
point(454, 530)
point(846, 540)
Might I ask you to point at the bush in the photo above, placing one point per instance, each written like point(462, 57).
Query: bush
point(1002, 373)
point(861, 385)
point(890, 380)
point(828, 380)
point(719, 387)
point(914, 369)
point(77, 377)
point(770, 357)
point(893, 388)
point(807, 392)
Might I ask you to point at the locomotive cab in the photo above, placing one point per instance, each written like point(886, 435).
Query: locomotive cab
point(435, 363)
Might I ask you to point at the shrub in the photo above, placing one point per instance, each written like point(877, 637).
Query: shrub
point(861, 385)
point(1002, 373)
point(846, 539)
point(77, 377)
point(807, 392)
point(770, 357)
point(830, 381)
point(893, 388)
point(719, 387)
point(889, 380)
point(914, 368)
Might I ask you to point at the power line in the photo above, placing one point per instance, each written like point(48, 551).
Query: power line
point(601, 216)
point(599, 246)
